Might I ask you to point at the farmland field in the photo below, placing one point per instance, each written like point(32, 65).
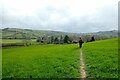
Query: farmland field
point(0, 63)
point(7, 41)
point(46, 61)
point(62, 61)
point(101, 58)
point(18, 42)
point(10, 41)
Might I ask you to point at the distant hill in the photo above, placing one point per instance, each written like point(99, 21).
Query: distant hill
point(109, 34)
point(8, 33)
point(15, 33)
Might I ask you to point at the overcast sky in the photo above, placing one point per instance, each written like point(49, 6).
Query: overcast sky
point(60, 15)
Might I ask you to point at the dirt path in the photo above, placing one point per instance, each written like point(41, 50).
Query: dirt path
point(82, 66)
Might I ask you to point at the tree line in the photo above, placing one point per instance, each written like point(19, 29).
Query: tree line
point(62, 39)
point(54, 40)
point(67, 39)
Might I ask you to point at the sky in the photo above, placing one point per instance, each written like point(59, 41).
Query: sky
point(77, 16)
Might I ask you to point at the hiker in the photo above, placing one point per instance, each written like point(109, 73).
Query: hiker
point(80, 42)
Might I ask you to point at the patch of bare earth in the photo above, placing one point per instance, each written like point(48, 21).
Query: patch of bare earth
point(82, 66)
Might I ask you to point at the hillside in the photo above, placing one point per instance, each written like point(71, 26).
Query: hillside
point(15, 33)
point(27, 33)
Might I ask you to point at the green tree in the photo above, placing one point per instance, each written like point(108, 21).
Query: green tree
point(61, 39)
point(66, 39)
point(92, 38)
point(52, 39)
point(56, 41)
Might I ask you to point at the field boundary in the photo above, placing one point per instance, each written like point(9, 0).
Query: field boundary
point(82, 65)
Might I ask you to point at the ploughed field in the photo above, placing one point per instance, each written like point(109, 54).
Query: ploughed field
point(61, 60)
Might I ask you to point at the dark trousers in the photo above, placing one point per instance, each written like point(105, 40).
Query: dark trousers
point(80, 45)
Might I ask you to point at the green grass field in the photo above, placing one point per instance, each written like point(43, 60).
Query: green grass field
point(62, 61)
point(18, 42)
point(14, 41)
point(10, 41)
point(101, 58)
point(46, 61)
point(0, 63)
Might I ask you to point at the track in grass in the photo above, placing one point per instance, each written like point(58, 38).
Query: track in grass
point(82, 65)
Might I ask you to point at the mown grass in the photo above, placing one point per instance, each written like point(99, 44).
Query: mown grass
point(46, 61)
point(101, 58)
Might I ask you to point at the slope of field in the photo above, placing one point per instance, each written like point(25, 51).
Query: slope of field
point(101, 58)
point(46, 61)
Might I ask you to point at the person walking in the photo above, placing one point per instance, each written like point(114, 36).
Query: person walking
point(80, 42)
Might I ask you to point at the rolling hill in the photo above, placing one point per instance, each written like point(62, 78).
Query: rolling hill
point(16, 33)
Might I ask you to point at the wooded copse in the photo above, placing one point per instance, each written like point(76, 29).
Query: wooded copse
point(68, 39)
point(62, 39)
point(54, 40)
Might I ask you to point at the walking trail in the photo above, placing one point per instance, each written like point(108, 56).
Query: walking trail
point(82, 66)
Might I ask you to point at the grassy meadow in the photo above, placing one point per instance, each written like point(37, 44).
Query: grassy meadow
point(46, 61)
point(61, 60)
point(101, 58)
point(7, 41)
point(18, 42)
point(0, 63)
point(10, 41)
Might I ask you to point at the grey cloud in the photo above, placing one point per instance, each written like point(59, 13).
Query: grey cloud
point(104, 19)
